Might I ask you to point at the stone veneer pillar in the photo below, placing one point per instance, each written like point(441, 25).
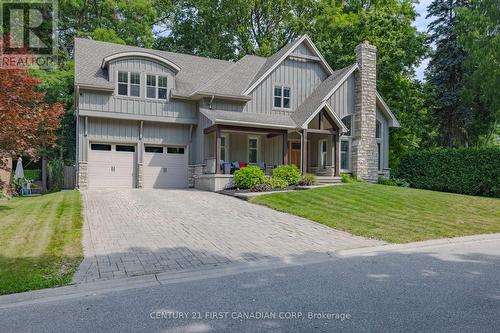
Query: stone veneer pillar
point(140, 175)
point(364, 147)
point(82, 175)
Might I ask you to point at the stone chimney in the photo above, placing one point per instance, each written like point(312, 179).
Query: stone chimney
point(364, 146)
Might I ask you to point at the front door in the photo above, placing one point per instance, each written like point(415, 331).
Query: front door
point(294, 152)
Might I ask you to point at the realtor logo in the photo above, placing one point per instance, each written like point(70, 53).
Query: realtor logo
point(28, 33)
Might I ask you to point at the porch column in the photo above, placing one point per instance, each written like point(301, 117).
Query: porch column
point(337, 153)
point(304, 151)
point(285, 147)
point(217, 150)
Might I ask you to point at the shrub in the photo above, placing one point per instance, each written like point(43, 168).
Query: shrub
point(474, 171)
point(33, 174)
point(307, 180)
point(289, 173)
point(264, 187)
point(393, 182)
point(348, 178)
point(248, 177)
point(277, 183)
point(55, 172)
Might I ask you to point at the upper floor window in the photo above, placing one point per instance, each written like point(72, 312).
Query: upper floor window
point(347, 120)
point(129, 84)
point(378, 130)
point(282, 97)
point(156, 86)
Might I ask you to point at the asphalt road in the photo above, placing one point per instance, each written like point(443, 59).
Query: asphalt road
point(445, 288)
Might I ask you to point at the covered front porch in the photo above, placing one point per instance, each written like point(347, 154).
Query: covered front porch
point(227, 148)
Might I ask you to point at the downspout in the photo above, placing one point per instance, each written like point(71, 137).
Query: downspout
point(301, 143)
point(210, 103)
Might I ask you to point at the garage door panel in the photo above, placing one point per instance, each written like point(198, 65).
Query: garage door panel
point(163, 170)
point(99, 168)
point(111, 168)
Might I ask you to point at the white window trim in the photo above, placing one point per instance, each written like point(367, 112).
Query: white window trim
point(322, 155)
point(282, 86)
point(248, 148)
point(226, 147)
point(349, 150)
point(129, 84)
point(157, 87)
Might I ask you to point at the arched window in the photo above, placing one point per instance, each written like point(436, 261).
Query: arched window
point(347, 120)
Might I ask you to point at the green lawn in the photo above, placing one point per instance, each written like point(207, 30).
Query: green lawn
point(40, 241)
point(392, 214)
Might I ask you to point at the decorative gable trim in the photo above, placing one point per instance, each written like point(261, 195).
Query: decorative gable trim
point(138, 54)
point(335, 117)
point(309, 43)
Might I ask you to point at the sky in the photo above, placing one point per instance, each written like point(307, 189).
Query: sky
point(421, 25)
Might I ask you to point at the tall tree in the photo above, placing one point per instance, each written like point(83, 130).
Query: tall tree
point(29, 124)
point(229, 29)
point(387, 24)
point(479, 28)
point(446, 72)
point(121, 21)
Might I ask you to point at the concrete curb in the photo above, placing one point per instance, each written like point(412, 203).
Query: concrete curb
point(418, 245)
point(102, 287)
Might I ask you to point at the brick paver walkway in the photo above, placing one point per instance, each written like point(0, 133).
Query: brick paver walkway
point(136, 232)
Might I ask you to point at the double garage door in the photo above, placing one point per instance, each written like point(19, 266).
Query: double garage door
point(115, 166)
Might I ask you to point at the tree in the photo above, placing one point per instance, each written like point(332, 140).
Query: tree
point(480, 38)
point(28, 122)
point(229, 29)
point(122, 21)
point(446, 72)
point(339, 27)
point(57, 84)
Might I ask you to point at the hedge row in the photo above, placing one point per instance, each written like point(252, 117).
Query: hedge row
point(474, 171)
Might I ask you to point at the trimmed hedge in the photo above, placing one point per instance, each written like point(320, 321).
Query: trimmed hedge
point(288, 172)
point(473, 171)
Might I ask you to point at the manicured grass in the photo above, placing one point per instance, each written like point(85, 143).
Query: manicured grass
point(392, 214)
point(40, 241)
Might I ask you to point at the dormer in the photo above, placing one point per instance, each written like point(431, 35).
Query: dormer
point(140, 75)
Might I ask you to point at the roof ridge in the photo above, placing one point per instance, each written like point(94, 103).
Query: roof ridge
point(151, 49)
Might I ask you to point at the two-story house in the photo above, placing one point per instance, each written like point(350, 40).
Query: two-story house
point(156, 119)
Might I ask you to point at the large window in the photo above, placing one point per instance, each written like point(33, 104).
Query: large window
point(282, 97)
point(344, 155)
point(224, 148)
point(253, 149)
point(129, 84)
point(156, 86)
point(322, 153)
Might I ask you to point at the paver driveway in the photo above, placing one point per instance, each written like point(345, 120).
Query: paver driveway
point(135, 232)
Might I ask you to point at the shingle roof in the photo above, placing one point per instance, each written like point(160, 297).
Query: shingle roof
point(253, 119)
point(195, 71)
point(235, 78)
point(311, 103)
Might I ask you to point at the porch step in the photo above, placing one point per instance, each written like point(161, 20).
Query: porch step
point(328, 180)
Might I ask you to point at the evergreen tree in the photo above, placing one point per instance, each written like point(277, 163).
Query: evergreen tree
point(446, 72)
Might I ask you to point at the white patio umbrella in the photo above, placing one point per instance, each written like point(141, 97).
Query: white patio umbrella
point(19, 169)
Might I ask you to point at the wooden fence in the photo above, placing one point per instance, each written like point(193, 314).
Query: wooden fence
point(69, 177)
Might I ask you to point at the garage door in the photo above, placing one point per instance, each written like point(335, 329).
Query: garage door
point(165, 167)
point(111, 165)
